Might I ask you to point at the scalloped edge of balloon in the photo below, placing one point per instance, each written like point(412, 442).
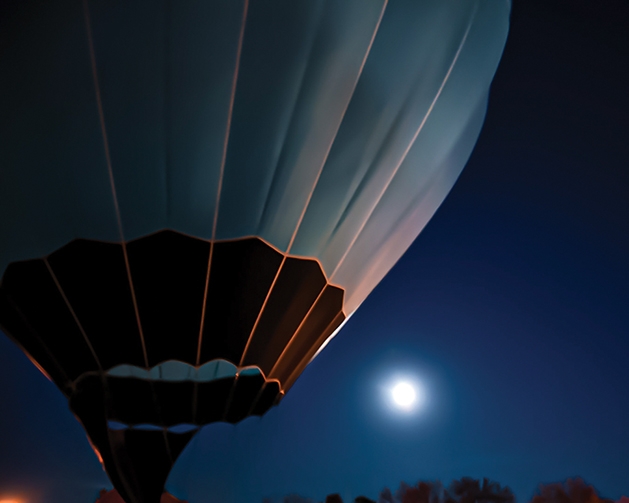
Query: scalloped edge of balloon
point(145, 373)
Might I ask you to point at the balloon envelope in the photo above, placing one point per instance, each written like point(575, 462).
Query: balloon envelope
point(196, 195)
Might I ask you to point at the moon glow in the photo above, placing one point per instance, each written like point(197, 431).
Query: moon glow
point(404, 395)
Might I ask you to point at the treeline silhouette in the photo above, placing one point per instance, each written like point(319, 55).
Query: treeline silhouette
point(469, 490)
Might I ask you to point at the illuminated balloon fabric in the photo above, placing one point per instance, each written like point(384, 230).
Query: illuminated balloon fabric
point(195, 195)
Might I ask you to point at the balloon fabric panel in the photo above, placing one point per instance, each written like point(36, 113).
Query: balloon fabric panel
point(243, 270)
point(92, 276)
point(318, 139)
point(169, 271)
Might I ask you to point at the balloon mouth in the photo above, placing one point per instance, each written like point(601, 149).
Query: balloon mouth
point(173, 372)
point(136, 403)
point(177, 397)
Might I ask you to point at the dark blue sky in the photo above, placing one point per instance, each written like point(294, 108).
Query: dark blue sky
point(511, 307)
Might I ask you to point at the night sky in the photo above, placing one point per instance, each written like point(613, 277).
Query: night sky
point(511, 308)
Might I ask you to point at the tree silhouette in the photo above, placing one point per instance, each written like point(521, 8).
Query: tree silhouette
point(420, 494)
point(468, 490)
point(571, 491)
point(423, 492)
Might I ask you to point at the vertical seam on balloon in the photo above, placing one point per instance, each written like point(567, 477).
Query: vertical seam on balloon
point(255, 400)
point(114, 196)
point(300, 367)
point(403, 216)
point(289, 122)
point(232, 99)
point(303, 213)
point(230, 397)
point(333, 334)
point(410, 145)
point(301, 324)
point(259, 317)
point(112, 183)
point(73, 313)
point(167, 445)
point(121, 473)
point(338, 127)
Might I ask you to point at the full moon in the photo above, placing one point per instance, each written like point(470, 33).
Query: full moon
point(404, 395)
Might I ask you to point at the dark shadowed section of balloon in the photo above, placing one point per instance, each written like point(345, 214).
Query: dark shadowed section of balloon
point(73, 312)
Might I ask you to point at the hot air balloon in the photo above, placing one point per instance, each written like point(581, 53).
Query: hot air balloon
point(195, 195)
